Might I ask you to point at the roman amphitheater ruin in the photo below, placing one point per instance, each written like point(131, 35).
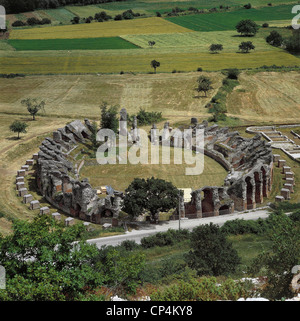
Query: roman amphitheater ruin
point(248, 161)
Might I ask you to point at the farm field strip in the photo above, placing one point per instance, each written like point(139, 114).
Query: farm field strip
point(227, 20)
point(100, 29)
point(201, 40)
point(114, 61)
point(72, 44)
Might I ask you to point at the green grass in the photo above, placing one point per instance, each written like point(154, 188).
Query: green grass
point(200, 40)
point(72, 44)
point(228, 20)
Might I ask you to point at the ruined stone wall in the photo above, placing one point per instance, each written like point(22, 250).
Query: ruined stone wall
point(57, 182)
point(249, 162)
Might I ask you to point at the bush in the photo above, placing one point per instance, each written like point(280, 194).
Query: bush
point(233, 73)
point(274, 39)
point(19, 23)
point(240, 226)
point(33, 21)
point(147, 118)
point(118, 17)
point(265, 25)
point(199, 69)
point(170, 237)
point(248, 6)
point(203, 289)
point(211, 253)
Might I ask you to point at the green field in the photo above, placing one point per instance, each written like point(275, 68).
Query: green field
point(72, 44)
point(228, 20)
point(200, 40)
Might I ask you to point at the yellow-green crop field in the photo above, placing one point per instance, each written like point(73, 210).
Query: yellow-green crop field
point(107, 61)
point(100, 29)
point(199, 40)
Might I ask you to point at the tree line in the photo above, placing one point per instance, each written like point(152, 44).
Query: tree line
point(17, 6)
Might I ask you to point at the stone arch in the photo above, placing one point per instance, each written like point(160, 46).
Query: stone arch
point(224, 209)
point(207, 203)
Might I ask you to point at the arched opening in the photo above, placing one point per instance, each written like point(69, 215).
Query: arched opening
point(207, 203)
point(224, 210)
point(258, 193)
point(249, 193)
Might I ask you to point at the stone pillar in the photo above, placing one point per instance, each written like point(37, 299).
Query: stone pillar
point(281, 163)
point(289, 175)
point(285, 193)
point(286, 169)
point(198, 204)
point(181, 207)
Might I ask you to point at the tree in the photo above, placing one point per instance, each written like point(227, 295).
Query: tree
point(18, 127)
point(247, 28)
point(121, 269)
point(215, 48)
point(233, 73)
point(278, 262)
point(33, 106)
point(43, 264)
point(246, 46)
point(155, 64)
point(109, 118)
point(152, 194)
point(292, 44)
point(151, 43)
point(274, 39)
point(211, 253)
point(204, 84)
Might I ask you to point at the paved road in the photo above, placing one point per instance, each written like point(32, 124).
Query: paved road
point(137, 235)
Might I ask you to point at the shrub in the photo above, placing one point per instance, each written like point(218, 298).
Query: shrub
point(265, 25)
point(233, 73)
point(170, 237)
point(33, 21)
point(199, 69)
point(203, 289)
point(45, 21)
point(118, 17)
point(18, 23)
point(240, 226)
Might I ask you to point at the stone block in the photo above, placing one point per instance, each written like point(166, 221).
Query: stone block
point(27, 198)
point(21, 173)
point(69, 221)
point(289, 175)
point(20, 179)
point(34, 205)
point(279, 198)
point(290, 180)
point(25, 167)
point(35, 156)
point(289, 186)
point(286, 169)
point(56, 216)
point(285, 193)
point(22, 192)
point(44, 210)
point(30, 162)
point(20, 185)
point(276, 158)
point(281, 163)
